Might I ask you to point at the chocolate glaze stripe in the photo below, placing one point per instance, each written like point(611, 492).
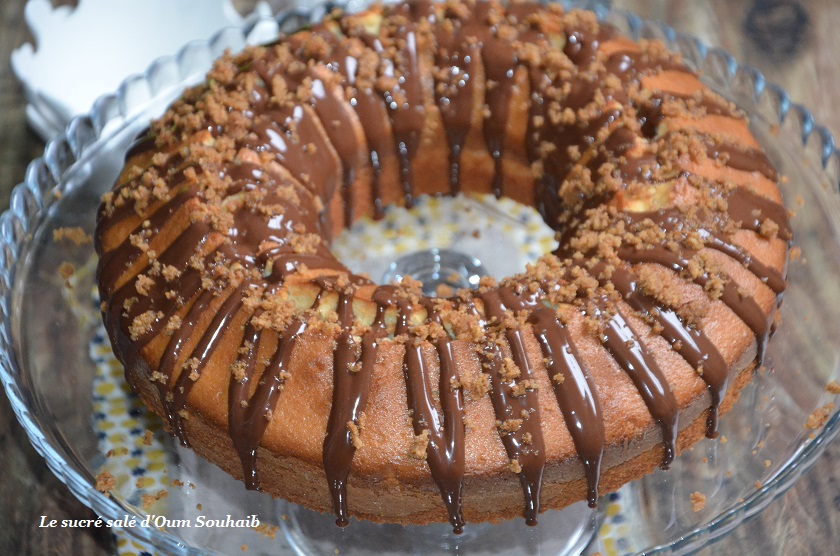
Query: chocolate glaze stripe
point(351, 388)
point(261, 404)
point(745, 160)
point(448, 447)
point(336, 121)
point(745, 307)
point(407, 118)
point(525, 444)
point(238, 392)
point(121, 257)
point(499, 67)
point(770, 276)
point(530, 454)
point(374, 119)
point(690, 342)
point(456, 102)
point(272, 134)
point(144, 142)
point(751, 209)
point(576, 395)
point(172, 354)
point(187, 285)
point(207, 344)
point(445, 433)
point(672, 220)
point(284, 262)
point(460, 54)
point(173, 170)
point(632, 355)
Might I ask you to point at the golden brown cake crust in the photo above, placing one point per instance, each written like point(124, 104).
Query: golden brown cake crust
point(598, 363)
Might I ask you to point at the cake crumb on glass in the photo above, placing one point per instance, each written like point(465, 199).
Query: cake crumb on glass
point(698, 501)
point(73, 234)
point(149, 499)
point(267, 530)
point(105, 482)
point(819, 416)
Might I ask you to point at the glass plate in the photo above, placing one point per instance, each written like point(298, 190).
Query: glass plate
point(49, 374)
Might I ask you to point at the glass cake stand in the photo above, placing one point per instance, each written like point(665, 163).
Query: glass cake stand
point(62, 383)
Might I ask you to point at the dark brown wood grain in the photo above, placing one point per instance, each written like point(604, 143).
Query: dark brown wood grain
point(796, 44)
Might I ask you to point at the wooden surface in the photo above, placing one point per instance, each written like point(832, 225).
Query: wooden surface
point(794, 44)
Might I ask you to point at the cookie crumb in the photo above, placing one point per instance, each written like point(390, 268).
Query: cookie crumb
point(355, 434)
point(105, 482)
point(833, 387)
point(267, 530)
point(419, 445)
point(444, 290)
point(73, 234)
point(698, 501)
point(65, 272)
point(148, 499)
point(819, 416)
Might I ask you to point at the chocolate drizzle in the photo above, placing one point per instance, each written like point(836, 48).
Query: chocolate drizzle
point(443, 429)
point(352, 375)
point(576, 395)
point(250, 414)
point(238, 391)
point(694, 346)
point(368, 106)
point(524, 445)
point(744, 306)
point(631, 355)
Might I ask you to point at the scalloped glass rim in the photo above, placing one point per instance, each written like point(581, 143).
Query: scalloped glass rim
point(46, 179)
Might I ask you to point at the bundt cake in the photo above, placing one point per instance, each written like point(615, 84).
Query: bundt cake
point(592, 367)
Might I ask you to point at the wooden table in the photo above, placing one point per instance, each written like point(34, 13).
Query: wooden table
point(796, 44)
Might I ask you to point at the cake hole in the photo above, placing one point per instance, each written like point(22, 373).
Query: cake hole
point(441, 271)
point(446, 242)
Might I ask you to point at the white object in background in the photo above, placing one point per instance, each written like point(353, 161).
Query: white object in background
point(88, 51)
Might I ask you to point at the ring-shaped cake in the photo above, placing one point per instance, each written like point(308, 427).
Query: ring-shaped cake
point(592, 367)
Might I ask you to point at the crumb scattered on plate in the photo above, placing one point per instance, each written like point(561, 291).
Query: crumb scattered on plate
point(267, 530)
point(698, 501)
point(105, 482)
point(66, 270)
point(149, 499)
point(819, 416)
point(74, 234)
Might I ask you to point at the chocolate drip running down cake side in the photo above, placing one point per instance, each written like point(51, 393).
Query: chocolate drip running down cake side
point(592, 367)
